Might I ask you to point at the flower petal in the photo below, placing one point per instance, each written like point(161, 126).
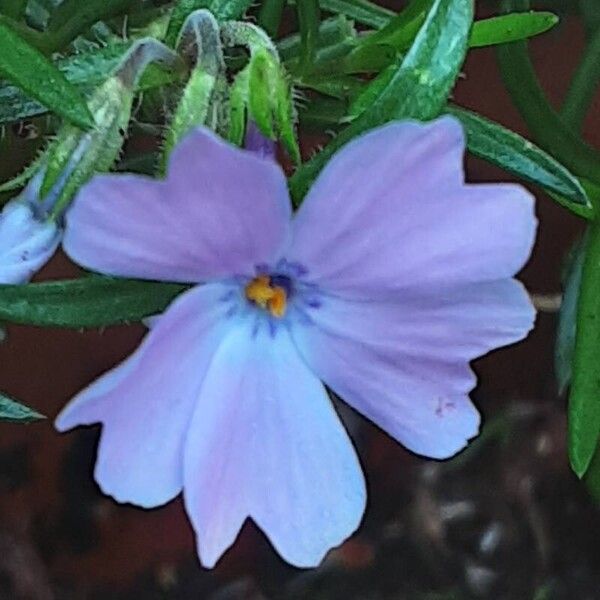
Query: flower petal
point(404, 364)
point(220, 212)
point(145, 403)
point(266, 443)
point(391, 211)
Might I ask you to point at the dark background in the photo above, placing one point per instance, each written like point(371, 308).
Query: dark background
point(505, 519)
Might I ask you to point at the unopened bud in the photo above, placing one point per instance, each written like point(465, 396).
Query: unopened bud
point(27, 238)
point(82, 154)
point(200, 43)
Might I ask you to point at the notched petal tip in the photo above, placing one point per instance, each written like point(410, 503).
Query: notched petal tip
point(202, 142)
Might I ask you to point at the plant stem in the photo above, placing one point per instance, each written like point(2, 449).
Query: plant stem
point(584, 85)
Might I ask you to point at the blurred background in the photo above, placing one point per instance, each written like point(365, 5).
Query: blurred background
point(506, 519)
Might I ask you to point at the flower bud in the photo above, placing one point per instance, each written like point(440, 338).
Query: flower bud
point(82, 154)
point(27, 238)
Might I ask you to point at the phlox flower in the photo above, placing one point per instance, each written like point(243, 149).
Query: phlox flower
point(27, 238)
point(390, 278)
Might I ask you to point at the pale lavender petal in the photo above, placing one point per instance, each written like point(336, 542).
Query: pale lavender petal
point(404, 364)
point(145, 404)
point(265, 442)
point(26, 242)
point(220, 212)
point(391, 211)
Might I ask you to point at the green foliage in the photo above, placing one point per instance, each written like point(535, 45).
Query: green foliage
point(584, 399)
point(514, 154)
point(511, 28)
point(14, 412)
point(85, 70)
point(308, 20)
point(417, 86)
point(363, 11)
point(31, 71)
point(567, 327)
point(546, 125)
point(88, 302)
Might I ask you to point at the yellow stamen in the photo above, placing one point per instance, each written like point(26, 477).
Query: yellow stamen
point(263, 294)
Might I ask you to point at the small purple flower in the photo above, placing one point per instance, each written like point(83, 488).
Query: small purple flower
point(27, 238)
point(392, 276)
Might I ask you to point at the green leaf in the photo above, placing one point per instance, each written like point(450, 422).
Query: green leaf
point(515, 154)
point(584, 399)
point(308, 21)
point(30, 70)
point(511, 28)
point(269, 17)
point(332, 32)
point(545, 124)
point(590, 12)
point(342, 86)
point(567, 326)
point(362, 59)
point(14, 412)
point(362, 11)
point(322, 114)
point(400, 31)
point(418, 86)
point(87, 302)
point(85, 70)
point(223, 10)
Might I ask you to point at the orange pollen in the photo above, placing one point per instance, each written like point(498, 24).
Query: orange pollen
point(263, 294)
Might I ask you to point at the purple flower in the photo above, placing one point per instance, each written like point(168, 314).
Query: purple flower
point(392, 276)
point(27, 238)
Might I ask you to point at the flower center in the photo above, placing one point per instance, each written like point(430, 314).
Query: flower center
point(265, 292)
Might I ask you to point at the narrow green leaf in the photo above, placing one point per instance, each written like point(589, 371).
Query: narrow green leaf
point(342, 86)
point(362, 11)
point(567, 319)
point(362, 59)
point(400, 31)
point(30, 70)
point(511, 28)
point(87, 302)
point(308, 21)
point(332, 32)
point(515, 154)
point(269, 17)
point(85, 70)
point(584, 86)
point(322, 114)
point(590, 12)
point(584, 399)
point(14, 412)
point(546, 125)
point(418, 87)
